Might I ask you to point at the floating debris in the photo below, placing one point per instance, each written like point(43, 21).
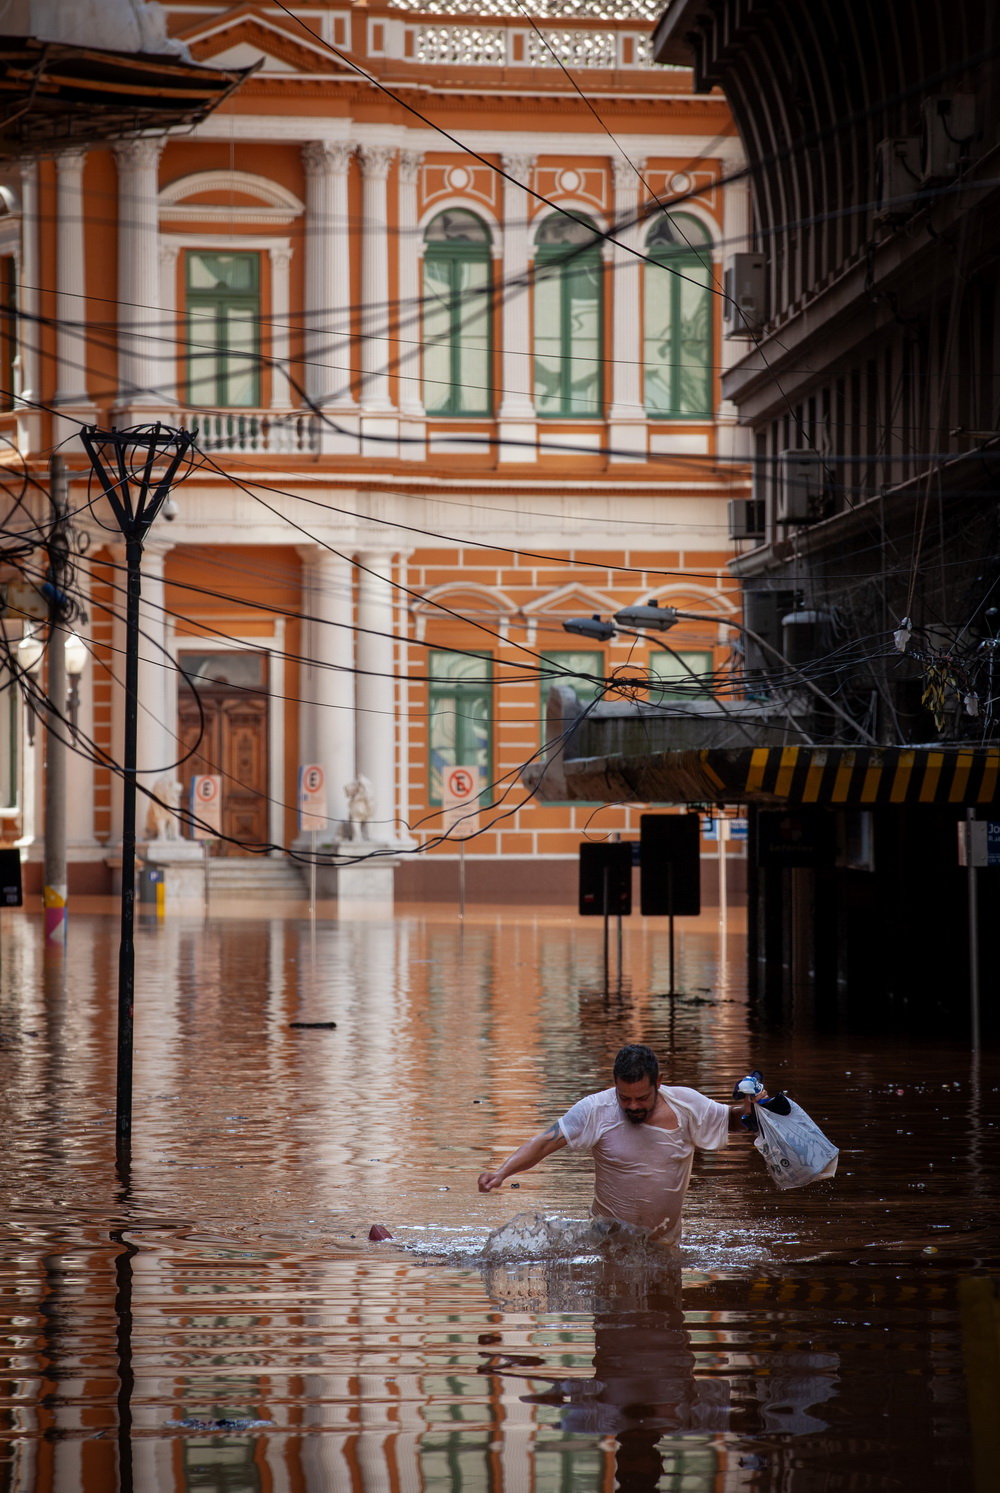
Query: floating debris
point(312, 1026)
point(378, 1231)
point(189, 1423)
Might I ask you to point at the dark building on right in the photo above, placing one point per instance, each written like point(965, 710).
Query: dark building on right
point(868, 555)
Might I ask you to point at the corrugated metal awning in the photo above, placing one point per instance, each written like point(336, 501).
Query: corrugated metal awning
point(840, 777)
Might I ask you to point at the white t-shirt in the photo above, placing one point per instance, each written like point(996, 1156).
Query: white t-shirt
point(641, 1172)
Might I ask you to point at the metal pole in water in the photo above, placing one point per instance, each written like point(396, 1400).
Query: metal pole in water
point(312, 877)
point(461, 880)
point(607, 921)
point(723, 889)
point(970, 815)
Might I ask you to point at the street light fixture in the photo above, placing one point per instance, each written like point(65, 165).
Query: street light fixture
point(77, 654)
point(136, 469)
point(591, 627)
point(652, 618)
point(30, 651)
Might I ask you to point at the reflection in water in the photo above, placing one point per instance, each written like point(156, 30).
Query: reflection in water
point(225, 1325)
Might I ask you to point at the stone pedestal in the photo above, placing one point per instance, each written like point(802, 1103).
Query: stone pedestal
point(183, 865)
point(364, 889)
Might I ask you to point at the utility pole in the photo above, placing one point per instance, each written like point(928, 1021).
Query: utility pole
point(55, 891)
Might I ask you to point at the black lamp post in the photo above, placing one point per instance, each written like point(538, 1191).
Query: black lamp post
point(136, 469)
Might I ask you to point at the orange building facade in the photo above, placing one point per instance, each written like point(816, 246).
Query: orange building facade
point(439, 412)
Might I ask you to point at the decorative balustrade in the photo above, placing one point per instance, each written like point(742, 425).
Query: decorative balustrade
point(590, 10)
point(262, 432)
point(498, 46)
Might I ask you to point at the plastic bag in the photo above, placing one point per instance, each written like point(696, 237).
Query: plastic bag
point(794, 1148)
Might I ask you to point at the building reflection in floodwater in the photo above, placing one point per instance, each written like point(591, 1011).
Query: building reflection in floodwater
point(223, 1324)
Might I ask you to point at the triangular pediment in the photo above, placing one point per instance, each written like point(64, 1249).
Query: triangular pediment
point(572, 601)
point(245, 35)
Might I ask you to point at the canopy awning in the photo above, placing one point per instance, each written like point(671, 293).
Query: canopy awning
point(839, 777)
point(53, 95)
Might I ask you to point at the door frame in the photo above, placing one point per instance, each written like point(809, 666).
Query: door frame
point(274, 647)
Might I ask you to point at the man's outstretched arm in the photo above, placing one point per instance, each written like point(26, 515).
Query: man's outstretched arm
point(530, 1154)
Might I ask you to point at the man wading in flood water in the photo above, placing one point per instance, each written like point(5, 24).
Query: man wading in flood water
point(642, 1136)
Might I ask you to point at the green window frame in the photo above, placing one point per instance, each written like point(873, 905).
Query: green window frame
point(576, 660)
point(460, 718)
point(223, 328)
point(458, 315)
point(568, 280)
point(666, 668)
point(677, 333)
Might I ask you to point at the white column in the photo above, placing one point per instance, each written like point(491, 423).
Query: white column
point(518, 406)
point(327, 716)
point(28, 419)
point(410, 319)
point(71, 306)
point(376, 350)
point(80, 771)
point(140, 330)
point(627, 416)
point(157, 734)
point(375, 688)
point(327, 274)
point(281, 261)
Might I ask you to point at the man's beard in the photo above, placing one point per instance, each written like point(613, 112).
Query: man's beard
point(637, 1117)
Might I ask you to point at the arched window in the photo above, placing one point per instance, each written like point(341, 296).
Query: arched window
point(457, 315)
point(678, 333)
point(568, 275)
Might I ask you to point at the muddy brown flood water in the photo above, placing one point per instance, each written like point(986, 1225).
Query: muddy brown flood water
point(223, 1324)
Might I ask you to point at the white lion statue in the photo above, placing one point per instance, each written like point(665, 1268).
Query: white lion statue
point(360, 806)
point(161, 818)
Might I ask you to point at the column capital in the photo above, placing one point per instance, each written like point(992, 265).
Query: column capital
point(376, 160)
point(326, 157)
point(280, 256)
point(626, 174)
point(70, 160)
point(137, 155)
point(410, 162)
point(519, 167)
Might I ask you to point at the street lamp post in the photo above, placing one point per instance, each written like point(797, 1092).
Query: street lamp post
point(136, 469)
point(30, 651)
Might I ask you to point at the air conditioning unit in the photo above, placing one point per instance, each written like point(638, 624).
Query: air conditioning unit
point(800, 487)
point(744, 302)
point(947, 127)
point(746, 518)
point(897, 178)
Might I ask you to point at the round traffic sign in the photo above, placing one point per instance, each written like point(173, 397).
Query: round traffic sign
point(312, 779)
point(460, 782)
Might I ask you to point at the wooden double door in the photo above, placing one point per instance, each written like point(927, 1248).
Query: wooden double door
point(232, 745)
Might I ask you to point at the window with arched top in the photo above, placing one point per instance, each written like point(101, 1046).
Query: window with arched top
point(457, 314)
point(568, 279)
point(678, 318)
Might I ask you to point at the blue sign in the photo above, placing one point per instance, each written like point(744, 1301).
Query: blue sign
point(992, 842)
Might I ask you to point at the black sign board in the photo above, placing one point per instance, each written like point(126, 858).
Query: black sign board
point(605, 879)
point(10, 878)
point(670, 865)
point(801, 837)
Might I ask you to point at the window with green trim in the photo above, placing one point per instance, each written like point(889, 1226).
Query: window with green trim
point(573, 661)
point(668, 669)
point(223, 316)
point(678, 319)
point(460, 728)
point(457, 306)
point(568, 282)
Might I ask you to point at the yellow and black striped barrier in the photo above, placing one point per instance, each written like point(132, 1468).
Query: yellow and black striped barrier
point(834, 777)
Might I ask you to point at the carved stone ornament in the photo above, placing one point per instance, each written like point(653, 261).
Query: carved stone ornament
point(410, 162)
point(519, 167)
point(360, 797)
point(137, 155)
point(161, 818)
point(326, 158)
point(376, 160)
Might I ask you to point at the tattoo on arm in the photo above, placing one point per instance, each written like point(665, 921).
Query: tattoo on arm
point(553, 1132)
